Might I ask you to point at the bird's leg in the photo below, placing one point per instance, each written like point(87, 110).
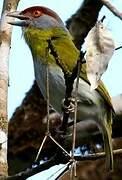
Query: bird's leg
point(69, 101)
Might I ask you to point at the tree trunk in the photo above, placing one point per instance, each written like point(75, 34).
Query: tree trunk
point(5, 41)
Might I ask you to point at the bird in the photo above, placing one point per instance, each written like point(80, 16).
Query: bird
point(39, 25)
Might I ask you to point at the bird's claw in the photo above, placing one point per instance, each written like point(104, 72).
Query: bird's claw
point(71, 107)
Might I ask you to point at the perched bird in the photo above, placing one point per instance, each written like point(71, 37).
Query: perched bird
point(39, 25)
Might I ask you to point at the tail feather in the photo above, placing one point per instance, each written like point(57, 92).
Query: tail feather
point(108, 148)
point(107, 138)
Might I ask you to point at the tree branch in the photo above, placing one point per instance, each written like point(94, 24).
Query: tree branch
point(96, 155)
point(32, 171)
point(5, 42)
point(112, 8)
point(83, 20)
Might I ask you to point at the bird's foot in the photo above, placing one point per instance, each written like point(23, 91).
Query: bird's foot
point(71, 107)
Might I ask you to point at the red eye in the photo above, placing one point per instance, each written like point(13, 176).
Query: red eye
point(37, 13)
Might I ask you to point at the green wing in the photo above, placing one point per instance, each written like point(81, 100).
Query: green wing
point(69, 55)
point(101, 88)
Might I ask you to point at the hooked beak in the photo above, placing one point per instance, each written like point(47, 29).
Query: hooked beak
point(22, 19)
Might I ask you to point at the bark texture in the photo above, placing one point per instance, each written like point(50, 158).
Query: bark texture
point(5, 41)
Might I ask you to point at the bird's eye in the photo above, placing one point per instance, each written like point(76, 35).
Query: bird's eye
point(37, 13)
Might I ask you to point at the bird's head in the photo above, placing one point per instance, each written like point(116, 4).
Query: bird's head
point(37, 16)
